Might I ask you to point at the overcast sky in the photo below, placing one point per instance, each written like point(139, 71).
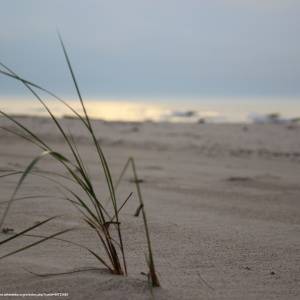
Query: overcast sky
point(154, 48)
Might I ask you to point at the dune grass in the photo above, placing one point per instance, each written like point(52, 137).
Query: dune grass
point(106, 224)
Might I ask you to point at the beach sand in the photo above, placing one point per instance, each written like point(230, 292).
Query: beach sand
point(222, 202)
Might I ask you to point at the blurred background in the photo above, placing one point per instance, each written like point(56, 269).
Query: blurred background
point(167, 60)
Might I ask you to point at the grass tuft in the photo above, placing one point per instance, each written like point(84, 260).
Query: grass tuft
point(106, 224)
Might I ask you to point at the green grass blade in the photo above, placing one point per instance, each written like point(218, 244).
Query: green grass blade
point(101, 260)
point(62, 273)
point(26, 230)
point(74, 79)
point(36, 243)
point(152, 272)
point(123, 204)
point(24, 136)
point(13, 75)
point(25, 174)
point(27, 197)
point(43, 145)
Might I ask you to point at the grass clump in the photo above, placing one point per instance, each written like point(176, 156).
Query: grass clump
point(104, 223)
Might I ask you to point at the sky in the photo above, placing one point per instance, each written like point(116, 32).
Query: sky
point(155, 49)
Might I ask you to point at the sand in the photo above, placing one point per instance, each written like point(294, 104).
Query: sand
point(222, 202)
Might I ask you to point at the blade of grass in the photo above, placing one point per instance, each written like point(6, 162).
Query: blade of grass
point(62, 240)
point(154, 278)
point(36, 243)
point(41, 144)
point(150, 261)
point(123, 204)
point(27, 197)
point(13, 75)
point(101, 260)
point(62, 273)
point(26, 172)
point(26, 230)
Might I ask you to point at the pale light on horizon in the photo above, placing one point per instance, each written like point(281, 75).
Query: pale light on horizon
point(211, 109)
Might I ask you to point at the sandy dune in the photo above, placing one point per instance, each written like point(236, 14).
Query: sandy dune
point(222, 202)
